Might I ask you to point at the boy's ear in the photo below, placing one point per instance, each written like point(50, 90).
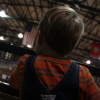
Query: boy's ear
point(40, 39)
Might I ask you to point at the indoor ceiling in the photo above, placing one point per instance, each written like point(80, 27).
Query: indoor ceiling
point(30, 11)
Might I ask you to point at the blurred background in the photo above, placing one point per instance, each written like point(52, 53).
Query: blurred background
point(18, 25)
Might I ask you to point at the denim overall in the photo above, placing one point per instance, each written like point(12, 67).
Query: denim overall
point(67, 89)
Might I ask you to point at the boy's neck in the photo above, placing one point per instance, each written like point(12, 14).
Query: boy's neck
point(47, 50)
point(54, 55)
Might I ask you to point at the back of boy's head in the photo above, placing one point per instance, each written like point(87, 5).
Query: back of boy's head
point(62, 29)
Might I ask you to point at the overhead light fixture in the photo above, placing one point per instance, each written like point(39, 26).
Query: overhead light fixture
point(20, 35)
point(88, 62)
point(29, 46)
point(3, 14)
point(11, 43)
point(2, 38)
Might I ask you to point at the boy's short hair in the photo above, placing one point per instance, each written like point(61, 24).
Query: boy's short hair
point(62, 29)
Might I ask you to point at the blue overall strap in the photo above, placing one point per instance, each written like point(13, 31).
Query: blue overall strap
point(27, 76)
point(68, 87)
point(31, 87)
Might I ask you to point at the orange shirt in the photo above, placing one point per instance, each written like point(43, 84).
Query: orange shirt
point(50, 72)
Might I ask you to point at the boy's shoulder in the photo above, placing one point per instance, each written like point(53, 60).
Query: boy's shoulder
point(83, 68)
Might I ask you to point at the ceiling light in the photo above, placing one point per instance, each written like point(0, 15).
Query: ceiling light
point(1, 38)
point(88, 62)
point(20, 35)
point(2, 13)
point(11, 43)
point(29, 46)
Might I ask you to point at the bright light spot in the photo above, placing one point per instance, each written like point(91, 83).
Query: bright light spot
point(11, 43)
point(29, 46)
point(2, 13)
point(88, 62)
point(10, 68)
point(1, 38)
point(4, 76)
point(20, 35)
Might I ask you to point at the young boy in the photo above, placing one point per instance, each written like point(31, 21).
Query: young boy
point(50, 75)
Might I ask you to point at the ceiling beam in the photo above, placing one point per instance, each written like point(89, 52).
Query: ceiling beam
point(80, 5)
point(84, 37)
point(90, 17)
point(22, 19)
point(16, 10)
point(15, 50)
point(35, 10)
point(5, 28)
point(82, 49)
point(31, 5)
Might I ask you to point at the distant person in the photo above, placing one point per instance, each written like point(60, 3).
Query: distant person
point(51, 75)
point(7, 79)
